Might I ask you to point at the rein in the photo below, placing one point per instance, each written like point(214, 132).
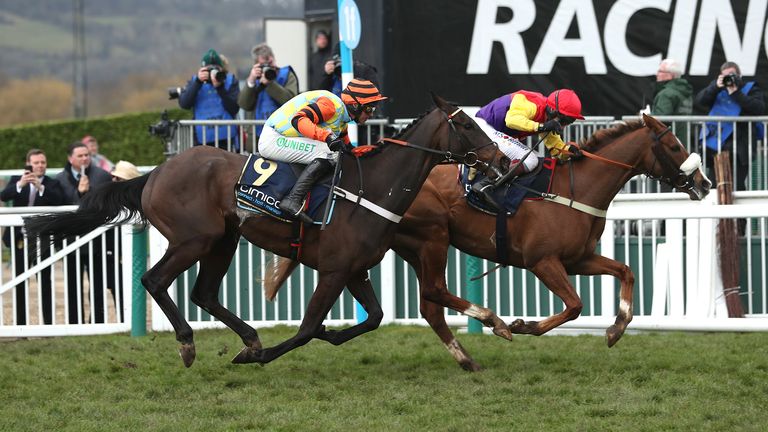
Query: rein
point(469, 159)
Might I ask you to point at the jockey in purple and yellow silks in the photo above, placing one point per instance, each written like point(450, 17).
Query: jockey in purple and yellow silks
point(512, 117)
point(309, 129)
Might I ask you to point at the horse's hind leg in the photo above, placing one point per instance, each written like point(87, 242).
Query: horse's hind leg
point(430, 266)
point(205, 294)
point(362, 291)
point(159, 278)
point(435, 316)
point(598, 264)
point(552, 273)
point(328, 289)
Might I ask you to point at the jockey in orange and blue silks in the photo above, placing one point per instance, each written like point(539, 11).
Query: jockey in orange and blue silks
point(512, 117)
point(309, 129)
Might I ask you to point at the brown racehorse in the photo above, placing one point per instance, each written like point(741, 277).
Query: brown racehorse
point(190, 200)
point(549, 239)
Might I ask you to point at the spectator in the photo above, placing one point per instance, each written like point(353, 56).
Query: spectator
point(97, 158)
point(212, 94)
point(728, 95)
point(268, 86)
point(673, 95)
point(77, 179)
point(123, 171)
point(332, 81)
point(318, 58)
point(33, 188)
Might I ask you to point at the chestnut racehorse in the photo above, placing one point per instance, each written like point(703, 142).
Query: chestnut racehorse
point(190, 199)
point(549, 239)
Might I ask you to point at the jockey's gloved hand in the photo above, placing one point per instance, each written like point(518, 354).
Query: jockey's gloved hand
point(551, 126)
point(334, 143)
point(575, 152)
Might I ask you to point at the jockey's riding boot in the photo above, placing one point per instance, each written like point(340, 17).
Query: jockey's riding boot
point(293, 203)
point(486, 186)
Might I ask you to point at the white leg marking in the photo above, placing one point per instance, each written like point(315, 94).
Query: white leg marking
point(457, 351)
point(477, 312)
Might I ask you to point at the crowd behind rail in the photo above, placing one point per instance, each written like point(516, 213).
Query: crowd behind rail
point(232, 116)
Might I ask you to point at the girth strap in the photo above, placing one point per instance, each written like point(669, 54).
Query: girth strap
point(386, 214)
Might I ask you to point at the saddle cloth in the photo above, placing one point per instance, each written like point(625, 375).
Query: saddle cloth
point(263, 183)
point(512, 194)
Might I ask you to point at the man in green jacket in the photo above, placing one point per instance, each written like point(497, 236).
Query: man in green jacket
point(673, 95)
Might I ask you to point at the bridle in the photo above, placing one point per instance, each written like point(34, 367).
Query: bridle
point(469, 158)
point(682, 180)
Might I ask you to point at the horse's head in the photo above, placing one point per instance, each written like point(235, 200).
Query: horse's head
point(672, 164)
point(466, 137)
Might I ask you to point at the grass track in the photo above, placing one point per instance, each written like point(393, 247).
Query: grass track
point(395, 379)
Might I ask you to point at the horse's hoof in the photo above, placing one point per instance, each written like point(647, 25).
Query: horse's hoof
point(248, 355)
point(471, 366)
point(612, 335)
point(187, 354)
point(503, 332)
point(517, 326)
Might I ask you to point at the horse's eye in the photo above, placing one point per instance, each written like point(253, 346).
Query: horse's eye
point(467, 126)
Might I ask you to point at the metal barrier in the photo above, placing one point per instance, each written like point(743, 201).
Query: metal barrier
point(57, 299)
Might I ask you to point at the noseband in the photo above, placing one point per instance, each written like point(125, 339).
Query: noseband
point(681, 179)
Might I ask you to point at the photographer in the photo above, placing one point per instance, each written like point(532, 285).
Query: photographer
point(33, 188)
point(728, 95)
point(267, 86)
point(211, 94)
point(332, 81)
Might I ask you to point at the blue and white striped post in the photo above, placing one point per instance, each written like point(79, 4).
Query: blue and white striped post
point(349, 37)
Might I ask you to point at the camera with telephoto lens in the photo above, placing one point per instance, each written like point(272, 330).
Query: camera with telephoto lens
point(336, 59)
point(268, 71)
point(731, 79)
point(216, 72)
point(165, 128)
point(174, 92)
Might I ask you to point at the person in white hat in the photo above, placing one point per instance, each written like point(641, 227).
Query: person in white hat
point(125, 171)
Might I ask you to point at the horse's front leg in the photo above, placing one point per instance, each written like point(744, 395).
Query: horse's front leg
point(328, 289)
point(598, 265)
point(159, 278)
point(552, 273)
point(362, 291)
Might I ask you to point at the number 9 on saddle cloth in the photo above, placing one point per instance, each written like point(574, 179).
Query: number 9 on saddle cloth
point(263, 183)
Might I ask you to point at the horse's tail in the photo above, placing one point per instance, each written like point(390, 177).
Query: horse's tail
point(276, 274)
point(112, 203)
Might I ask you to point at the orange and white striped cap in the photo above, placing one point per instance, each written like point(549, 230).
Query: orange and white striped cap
point(360, 91)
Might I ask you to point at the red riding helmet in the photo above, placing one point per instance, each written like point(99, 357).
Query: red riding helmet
point(566, 102)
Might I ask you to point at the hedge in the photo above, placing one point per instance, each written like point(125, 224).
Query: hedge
point(121, 137)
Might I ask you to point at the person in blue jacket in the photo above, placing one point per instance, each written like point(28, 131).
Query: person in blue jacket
point(730, 95)
point(211, 94)
point(267, 87)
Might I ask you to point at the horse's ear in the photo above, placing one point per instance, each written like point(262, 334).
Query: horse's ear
point(439, 102)
point(652, 123)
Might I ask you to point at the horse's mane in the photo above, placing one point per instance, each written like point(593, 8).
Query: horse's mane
point(412, 123)
point(605, 136)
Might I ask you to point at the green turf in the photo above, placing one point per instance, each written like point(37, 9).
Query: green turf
point(394, 379)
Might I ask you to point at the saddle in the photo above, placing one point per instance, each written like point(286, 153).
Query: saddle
point(509, 196)
point(264, 182)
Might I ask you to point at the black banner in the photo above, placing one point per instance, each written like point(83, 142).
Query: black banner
point(607, 51)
